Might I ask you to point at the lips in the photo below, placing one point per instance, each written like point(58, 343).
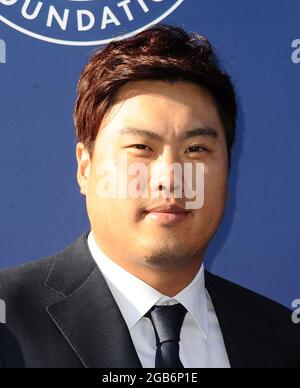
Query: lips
point(167, 214)
point(172, 209)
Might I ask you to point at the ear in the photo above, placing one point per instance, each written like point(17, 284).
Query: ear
point(84, 165)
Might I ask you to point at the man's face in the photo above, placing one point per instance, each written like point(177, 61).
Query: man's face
point(122, 226)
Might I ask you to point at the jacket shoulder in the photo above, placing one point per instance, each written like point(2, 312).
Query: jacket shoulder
point(266, 321)
point(16, 280)
point(28, 282)
point(243, 297)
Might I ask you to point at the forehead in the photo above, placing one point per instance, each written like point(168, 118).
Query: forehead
point(161, 106)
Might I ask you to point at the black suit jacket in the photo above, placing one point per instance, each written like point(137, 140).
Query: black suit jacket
point(61, 313)
point(10, 350)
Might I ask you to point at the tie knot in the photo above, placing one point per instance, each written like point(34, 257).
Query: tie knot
point(167, 322)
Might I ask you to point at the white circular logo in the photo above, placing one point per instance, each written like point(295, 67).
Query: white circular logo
point(84, 22)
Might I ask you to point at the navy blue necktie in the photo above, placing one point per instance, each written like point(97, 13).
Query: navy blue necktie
point(167, 322)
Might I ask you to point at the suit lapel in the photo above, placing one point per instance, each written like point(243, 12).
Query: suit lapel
point(90, 320)
point(87, 315)
point(239, 326)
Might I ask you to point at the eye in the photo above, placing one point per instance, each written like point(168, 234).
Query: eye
point(197, 149)
point(140, 147)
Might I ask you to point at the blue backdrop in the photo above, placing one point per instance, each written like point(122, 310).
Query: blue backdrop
point(41, 210)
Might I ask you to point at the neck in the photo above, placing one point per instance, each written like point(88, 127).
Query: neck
point(167, 282)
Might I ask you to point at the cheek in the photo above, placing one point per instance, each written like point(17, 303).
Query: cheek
point(215, 192)
point(216, 174)
point(215, 188)
point(208, 218)
point(119, 213)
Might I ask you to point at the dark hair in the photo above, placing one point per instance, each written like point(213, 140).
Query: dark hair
point(162, 52)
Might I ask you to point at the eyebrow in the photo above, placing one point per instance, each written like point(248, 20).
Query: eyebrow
point(205, 131)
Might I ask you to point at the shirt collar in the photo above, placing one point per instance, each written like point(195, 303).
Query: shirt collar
point(135, 297)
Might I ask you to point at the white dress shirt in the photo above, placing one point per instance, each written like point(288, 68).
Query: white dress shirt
point(201, 344)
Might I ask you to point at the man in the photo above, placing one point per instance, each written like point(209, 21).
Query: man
point(133, 293)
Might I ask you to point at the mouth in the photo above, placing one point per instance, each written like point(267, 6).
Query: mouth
point(169, 218)
point(168, 214)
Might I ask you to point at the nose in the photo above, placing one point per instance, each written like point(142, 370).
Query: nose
point(166, 175)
